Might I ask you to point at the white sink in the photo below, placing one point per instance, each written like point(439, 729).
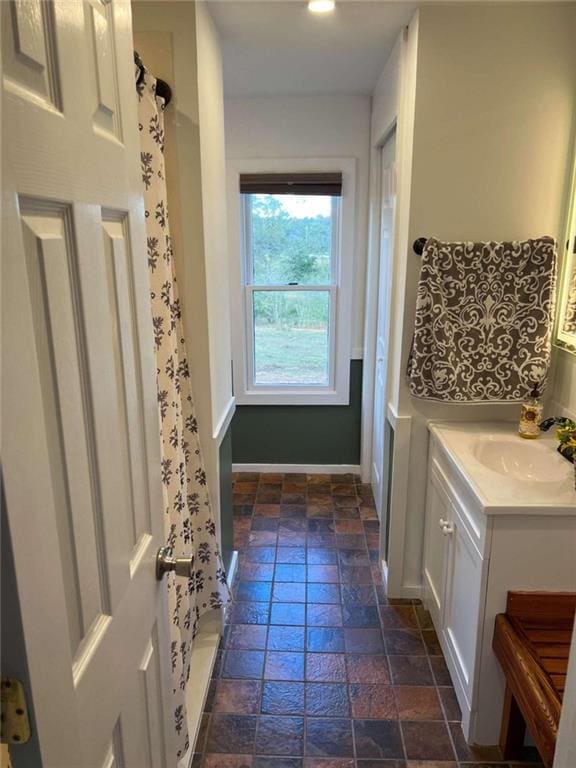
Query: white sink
point(505, 473)
point(529, 460)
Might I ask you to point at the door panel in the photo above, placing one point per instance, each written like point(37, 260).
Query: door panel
point(388, 201)
point(80, 429)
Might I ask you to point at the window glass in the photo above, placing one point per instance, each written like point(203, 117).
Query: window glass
point(291, 239)
point(291, 337)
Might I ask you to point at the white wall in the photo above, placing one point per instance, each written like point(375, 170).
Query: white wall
point(493, 114)
point(310, 126)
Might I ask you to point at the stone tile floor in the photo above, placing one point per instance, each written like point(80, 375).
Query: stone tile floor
point(317, 668)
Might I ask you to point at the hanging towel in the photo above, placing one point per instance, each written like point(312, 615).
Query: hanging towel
point(483, 327)
point(188, 521)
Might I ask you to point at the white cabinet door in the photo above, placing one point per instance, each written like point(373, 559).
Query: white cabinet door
point(438, 513)
point(462, 596)
point(80, 420)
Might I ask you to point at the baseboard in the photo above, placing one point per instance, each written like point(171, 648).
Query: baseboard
point(202, 660)
point(308, 469)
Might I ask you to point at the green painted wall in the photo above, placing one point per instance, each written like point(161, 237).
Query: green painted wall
point(226, 528)
point(300, 434)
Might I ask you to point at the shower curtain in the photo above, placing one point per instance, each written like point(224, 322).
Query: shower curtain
point(189, 525)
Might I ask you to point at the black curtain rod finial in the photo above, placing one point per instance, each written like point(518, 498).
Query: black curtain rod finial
point(418, 245)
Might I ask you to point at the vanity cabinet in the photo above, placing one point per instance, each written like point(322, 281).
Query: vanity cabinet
point(471, 560)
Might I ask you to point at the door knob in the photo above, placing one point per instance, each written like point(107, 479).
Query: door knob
point(182, 566)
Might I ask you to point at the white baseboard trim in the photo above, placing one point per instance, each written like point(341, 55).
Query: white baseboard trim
point(308, 469)
point(201, 662)
point(224, 421)
point(232, 568)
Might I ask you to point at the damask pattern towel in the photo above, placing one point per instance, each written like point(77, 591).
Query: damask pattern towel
point(189, 524)
point(483, 327)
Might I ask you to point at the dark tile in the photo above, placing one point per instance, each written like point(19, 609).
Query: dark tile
point(360, 616)
point(265, 524)
point(288, 613)
point(254, 591)
point(296, 555)
point(290, 572)
point(263, 538)
point(367, 669)
point(327, 700)
point(440, 670)
point(418, 703)
point(330, 762)
point(346, 501)
point(358, 594)
point(250, 613)
point(327, 574)
point(239, 697)
point(202, 732)
point(260, 554)
point(244, 637)
point(450, 704)
point(293, 510)
point(218, 664)
point(289, 592)
point(293, 498)
point(317, 510)
point(350, 541)
point(243, 664)
point(320, 525)
point(256, 572)
point(378, 738)
point(273, 761)
point(398, 617)
point(321, 540)
point(353, 557)
point(403, 642)
point(325, 639)
point(323, 615)
point(242, 510)
point(410, 670)
point(326, 667)
point(372, 701)
point(284, 665)
point(282, 638)
point(291, 539)
point(225, 761)
point(267, 510)
point(261, 761)
point(371, 526)
point(346, 513)
point(280, 698)
point(329, 737)
point(427, 741)
point(322, 556)
point(348, 525)
point(293, 525)
point(233, 734)
point(323, 593)
point(431, 642)
point(356, 574)
point(363, 640)
point(280, 735)
point(269, 497)
point(424, 618)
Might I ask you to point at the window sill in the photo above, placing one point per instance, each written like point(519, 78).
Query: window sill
point(302, 397)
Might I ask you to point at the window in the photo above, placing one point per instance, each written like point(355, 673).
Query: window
point(292, 300)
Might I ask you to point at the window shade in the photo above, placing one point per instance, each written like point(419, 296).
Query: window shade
point(291, 184)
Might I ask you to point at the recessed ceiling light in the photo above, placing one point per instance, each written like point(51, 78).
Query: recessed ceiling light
point(321, 6)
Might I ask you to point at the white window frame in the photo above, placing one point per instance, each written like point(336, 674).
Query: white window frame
point(341, 287)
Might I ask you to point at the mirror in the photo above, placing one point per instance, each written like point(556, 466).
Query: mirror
point(566, 323)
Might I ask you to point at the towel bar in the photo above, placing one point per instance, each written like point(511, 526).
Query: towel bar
point(418, 245)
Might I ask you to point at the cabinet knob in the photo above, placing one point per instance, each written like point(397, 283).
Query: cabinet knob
point(445, 527)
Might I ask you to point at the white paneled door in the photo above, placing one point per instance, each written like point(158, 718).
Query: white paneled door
point(80, 422)
point(387, 206)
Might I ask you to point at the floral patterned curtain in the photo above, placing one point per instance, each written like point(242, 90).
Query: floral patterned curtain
point(189, 524)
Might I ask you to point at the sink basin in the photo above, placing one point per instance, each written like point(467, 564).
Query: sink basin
point(505, 474)
point(526, 460)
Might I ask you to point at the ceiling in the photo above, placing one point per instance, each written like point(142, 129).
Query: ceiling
point(273, 47)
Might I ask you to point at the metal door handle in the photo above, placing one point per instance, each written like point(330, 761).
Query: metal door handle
point(182, 566)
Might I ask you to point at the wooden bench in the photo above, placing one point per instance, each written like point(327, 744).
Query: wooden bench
point(532, 644)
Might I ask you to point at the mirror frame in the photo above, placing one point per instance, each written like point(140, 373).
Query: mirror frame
point(563, 340)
